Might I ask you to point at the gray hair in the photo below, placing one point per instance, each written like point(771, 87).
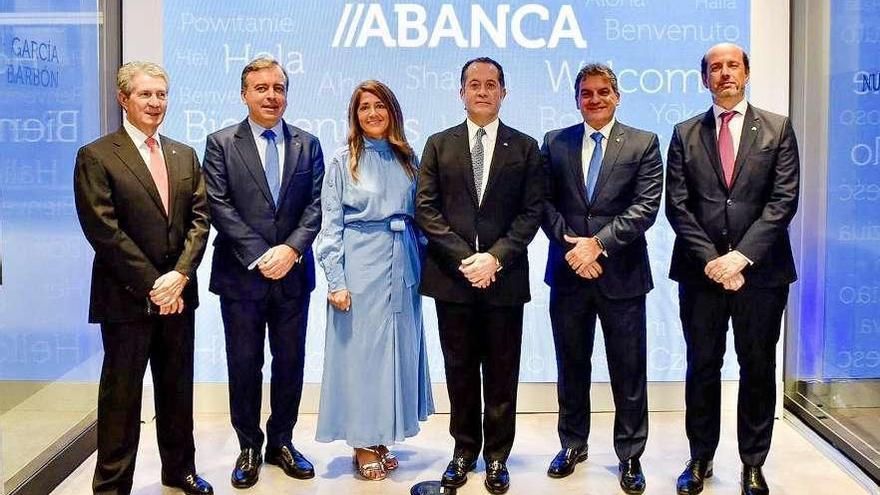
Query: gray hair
point(260, 64)
point(601, 70)
point(129, 70)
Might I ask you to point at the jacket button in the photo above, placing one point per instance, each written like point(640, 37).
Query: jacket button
point(729, 202)
point(723, 231)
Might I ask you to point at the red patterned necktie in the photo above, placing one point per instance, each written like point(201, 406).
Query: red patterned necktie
point(158, 171)
point(725, 147)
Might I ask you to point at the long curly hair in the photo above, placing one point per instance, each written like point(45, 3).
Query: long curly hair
point(396, 135)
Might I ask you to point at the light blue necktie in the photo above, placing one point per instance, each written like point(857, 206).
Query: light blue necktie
point(273, 169)
point(595, 165)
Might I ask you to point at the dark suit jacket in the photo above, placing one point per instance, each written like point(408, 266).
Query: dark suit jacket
point(246, 219)
point(123, 219)
point(624, 204)
point(752, 216)
point(449, 214)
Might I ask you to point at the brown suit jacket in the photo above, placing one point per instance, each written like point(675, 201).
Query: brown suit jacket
point(134, 240)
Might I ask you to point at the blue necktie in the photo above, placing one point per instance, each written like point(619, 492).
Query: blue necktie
point(595, 165)
point(273, 169)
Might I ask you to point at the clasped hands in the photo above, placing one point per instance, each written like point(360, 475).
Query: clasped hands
point(582, 258)
point(727, 270)
point(167, 292)
point(480, 269)
point(277, 261)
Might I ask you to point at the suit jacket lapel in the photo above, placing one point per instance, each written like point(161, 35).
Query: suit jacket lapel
point(574, 141)
point(615, 142)
point(247, 149)
point(131, 159)
point(173, 165)
point(499, 157)
point(750, 129)
point(463, 144)
point(710, 142)
point(292, 149)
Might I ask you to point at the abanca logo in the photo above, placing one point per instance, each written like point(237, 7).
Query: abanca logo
point(361, 23)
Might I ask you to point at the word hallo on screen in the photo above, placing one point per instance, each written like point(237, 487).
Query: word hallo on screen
point(359, 23)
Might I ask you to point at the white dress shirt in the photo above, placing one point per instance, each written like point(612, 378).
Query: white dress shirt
point(140, 140)
point(589, 144)
point(735, 124)
point(488, 149)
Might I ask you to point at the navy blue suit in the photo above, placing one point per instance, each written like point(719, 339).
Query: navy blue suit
point(248, 223)
point(710, 219)
point(624, 205)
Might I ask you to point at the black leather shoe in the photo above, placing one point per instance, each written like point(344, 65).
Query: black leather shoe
point(497, 477)
point(753, 482)
point(291, 461)
point(247, 469)
point(691, 480)
point(456, 472)
point(191, 484)
point(563, 464)
point(632, 480)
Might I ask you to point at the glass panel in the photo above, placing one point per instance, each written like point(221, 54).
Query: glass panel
point(834, 369)
point(49, 356)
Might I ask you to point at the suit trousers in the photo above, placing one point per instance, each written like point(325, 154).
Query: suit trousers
point(756, 315)
point(573, 314)
point(167, 343)
point(475, 337)
point(245, 323)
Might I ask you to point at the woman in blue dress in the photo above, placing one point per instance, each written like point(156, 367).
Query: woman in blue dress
point(375, 387)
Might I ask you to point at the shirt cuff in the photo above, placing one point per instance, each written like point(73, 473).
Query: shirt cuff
point(601, 245)
point(750, 262)
point(257, 261)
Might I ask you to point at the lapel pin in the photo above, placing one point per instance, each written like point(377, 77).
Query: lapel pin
point(754, 128)
point(173, 152)
point(503, 144)
point(617, 140)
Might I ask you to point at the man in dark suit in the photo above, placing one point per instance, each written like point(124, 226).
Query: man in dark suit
point(479, 203)
point(731, 191)
point(604, 185)
point(264, 187)
point(141, 202)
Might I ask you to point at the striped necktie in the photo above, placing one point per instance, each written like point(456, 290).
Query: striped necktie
point(477, 162)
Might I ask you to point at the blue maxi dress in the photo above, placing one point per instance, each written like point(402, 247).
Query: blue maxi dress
point(375, 388)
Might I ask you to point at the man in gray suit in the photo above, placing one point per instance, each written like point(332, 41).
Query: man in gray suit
point(605, 180)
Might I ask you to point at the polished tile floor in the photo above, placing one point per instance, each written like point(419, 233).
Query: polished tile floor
point(795, 466)
point(35, 417)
